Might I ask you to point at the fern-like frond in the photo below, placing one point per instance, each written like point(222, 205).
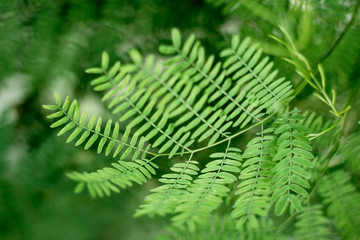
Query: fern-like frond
point(192, 63)
point(242, 96)
point(219, 228)
point(350, 150)
point(137, 91)
point(314, 122)
point(255, 75)
point(107, 180)
point(155, 95)
point(319, 129)
point(343, 203)
point(312, 224)
point(152, 95)
point(294, 158)
point(254, 190)
point(166, 197)
point(110, 139)
point(206, 192)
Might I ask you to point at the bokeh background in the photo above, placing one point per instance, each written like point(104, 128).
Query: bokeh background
point(45, 46)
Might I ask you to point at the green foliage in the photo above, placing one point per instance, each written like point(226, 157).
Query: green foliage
point(251, 8)
point(205, 193)
point(218, 228)
point(108, 180)
point(255, 187)
point(155, 94)
point(312, 224)
point(165, 198)
point(350, 152)
point(215, 139)
point(293, 157)
point(342, 202)
point(110, 139)
point(171, 106)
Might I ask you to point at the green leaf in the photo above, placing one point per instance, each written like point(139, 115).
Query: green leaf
point(226, 175)
point(98, 125)
point(58, 100)
point(126, 153)
point(295, 202)
point(283, 128)
point(176, 38)
point(235, 41)
point(74, 134)
point(303, 153)
point(104, 61)
point(114, 69)
point(107, 128)
point(82, 138)
point(188, 43)
point(217, 155)
point(235, 156)
point(298, 190)
point(279, 192)
point(302, 144)
point(281, 205)
point(302, 161)
point(110, 147)
point(166, 50)
point(101, 145)
point(94, 70)
point(66, 104)
point(72, 108)
point(55, 115)
point(60, 122)
point(301, 172)
point(79, 188)
point(50, 107)
point(281, 154)
point(118, 150)
point(99, 80)
point(91, 141)
point(68, 127)
point(77, 113)
point(135, 56)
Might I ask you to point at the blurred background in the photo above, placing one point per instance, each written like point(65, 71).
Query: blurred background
point(45, 46)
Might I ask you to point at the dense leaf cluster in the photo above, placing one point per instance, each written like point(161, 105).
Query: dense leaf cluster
point(171, 106)
point(258, 138)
